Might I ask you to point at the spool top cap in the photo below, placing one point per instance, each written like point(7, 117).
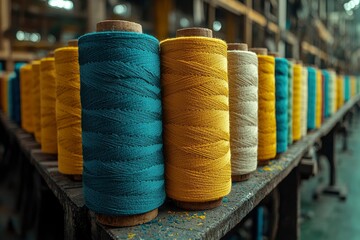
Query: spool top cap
point(118, 25)
point(188, 32)
point(274, 54)
point(259, 51)
point(73, 43)
point(237, 46)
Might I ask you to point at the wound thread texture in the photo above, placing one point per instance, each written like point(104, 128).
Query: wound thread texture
point(304, 100)
point(48, 106)
point(26, 98)
point(35, 95)
point(68, 111)
point(15, 94)
point(121, 122)
point(196, 118)
point(267, 119)
point(319, 98)
point(353, 86)
point(290, 103)
point(243, 105)
point(296, 118)
point(281, 86)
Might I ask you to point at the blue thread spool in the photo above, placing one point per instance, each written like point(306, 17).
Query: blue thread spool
point(347, 88)
point(290, 100)
point(311, 116)
point(15, 93)
point(327, 100)
point(282, 95)
point(123, 172)
point(9, 90)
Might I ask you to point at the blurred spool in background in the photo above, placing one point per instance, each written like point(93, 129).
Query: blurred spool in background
point(296, 117)
point(25, 97)
point(304, 100)
point(47, 105)
point(327, 104)
point(312, 96)
point(243, 105)
point(340, 91)
point(347, 88)
point(281, 82)
point(10, 86)
point(68, 111)
point(123, 173)
point(35, 95)
point(15, 93)
point(196, 119)
point(319, 98)
point(290, 101)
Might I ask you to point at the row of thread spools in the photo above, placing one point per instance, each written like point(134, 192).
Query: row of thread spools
point(185, 117)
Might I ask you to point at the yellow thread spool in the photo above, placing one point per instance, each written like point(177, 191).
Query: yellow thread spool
point(68, 111)
point(47, 106)
point(196, 119)
point(35, 96)
point(340, 91)
point(296, 118)
point(4, 89)
point(26, 98)
point(319, 93)
point(266, 112)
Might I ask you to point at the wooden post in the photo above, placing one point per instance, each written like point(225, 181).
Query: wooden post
point(162, 10)
point(248, 26)
point(96, 12)
point(231, 29)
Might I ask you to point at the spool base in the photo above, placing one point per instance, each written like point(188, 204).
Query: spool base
point(199, 205)
point(240, 178)
point(263, 162)
point(127, 220)
point(76, 178)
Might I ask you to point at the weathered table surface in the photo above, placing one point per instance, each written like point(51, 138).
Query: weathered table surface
point(171, 221)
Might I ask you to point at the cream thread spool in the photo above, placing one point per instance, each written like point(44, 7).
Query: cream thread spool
point(243, 99)
point(129, 220)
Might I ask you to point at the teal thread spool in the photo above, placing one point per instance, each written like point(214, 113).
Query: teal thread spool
point(290, 101)
point(123, 172)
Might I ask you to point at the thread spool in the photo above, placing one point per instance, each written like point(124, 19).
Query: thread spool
point(290, 101)
point(148, 92)
point(48, 105)
point(266, 112)
point(304, 100)
point(218, 179)
point(296, 118)
point(333, 91)
point(243, 103)
point(10, 81)
point(326, 94)
point(312, 87)
point(347, 88)
point(340, 91)
point(319, 98)
point(68, 111)
point(15, 92)
point(4, 103)
point(35, 95)
point(281, 86)
point(25, 98)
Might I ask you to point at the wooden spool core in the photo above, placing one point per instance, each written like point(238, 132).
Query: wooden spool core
point(118, 25)
point(274, 54)
point(259, 51)
point(124, 220)
point(73, 43)
point(240, 178)
point(237, 46)
point(128, 220)
point(263, 162)
point(195, 32)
